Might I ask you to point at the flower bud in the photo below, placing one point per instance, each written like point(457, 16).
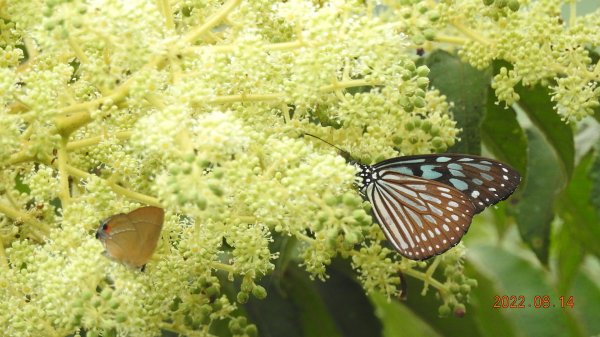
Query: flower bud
point(242, 297)
point(514, 5)
point(444, 310)
point(259, 292)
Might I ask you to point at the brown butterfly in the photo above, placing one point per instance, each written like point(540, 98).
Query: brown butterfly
point(131, 238)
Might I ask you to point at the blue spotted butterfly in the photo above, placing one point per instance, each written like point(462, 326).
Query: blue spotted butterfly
point(425, 203)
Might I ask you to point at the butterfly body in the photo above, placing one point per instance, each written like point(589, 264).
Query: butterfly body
point(425, 203)
point(131, 238)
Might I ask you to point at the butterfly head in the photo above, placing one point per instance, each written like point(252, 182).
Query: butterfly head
point(103, 231)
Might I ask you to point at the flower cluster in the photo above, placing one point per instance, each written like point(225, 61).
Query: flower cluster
point(539, 45)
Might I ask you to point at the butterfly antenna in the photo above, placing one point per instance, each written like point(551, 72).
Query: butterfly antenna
point(344, 153)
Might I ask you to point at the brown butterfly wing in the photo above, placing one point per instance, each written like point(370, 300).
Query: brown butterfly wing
point(148, 222)
point(133, 236)
point(122, 237)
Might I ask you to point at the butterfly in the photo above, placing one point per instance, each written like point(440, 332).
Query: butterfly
point(425, 203)
point(131, 238)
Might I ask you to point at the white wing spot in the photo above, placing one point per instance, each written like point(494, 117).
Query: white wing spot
point(430, 248)
point(430, 198)
point(430, 219)
point(430, 233)
point(446, 228)
point(423, 237)
point(454, 217)
point(474, 194)
point(457, 228)
point(437, 246)
point(505, 177)
point(435, 210)
point(419, 187)
point(437, 231)
point(444, 241)
point(504, 169)
point(443, 189)
point(450, 209)
point(452, 204)
point(492, 189)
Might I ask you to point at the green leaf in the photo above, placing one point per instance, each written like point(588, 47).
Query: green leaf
point(297, 312)
point(426, 308)
point(586, 296)
point(594, 176)
point(20, 185)
point(534, 212)
point(503, 136)
point(398, 320)
point(287, 246)
point(517, 276)
point(568, 257)
point(348, 305)
point(580, 218)
point(481, 303)
point(299, 306)
point(467, 88)
point(535, 102)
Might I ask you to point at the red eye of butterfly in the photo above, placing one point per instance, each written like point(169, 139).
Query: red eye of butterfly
point(131, 238)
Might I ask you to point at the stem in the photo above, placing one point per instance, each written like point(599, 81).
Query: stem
point(595, 75)
point(450, 39)
point(64, 193)
point(304, 237)
point(279, 46)
point(66, 125)
point(246, 98)
point(212, 21)
point(572, 13)
point(36, 228)
point(425, 278)
point(19, 157)
point(146, 199)
point(77, 50)
point(470, 33)
point(3, 259)
point(167, 13)
point(247, 219)
point(430, 272)
point(346, 84)
point(78, 144)
point(222, 266)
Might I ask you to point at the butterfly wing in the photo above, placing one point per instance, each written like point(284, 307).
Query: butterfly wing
point(148, 222)
point(120, 237)
point(420, 217)
point(484, 181)
point(131, 238)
